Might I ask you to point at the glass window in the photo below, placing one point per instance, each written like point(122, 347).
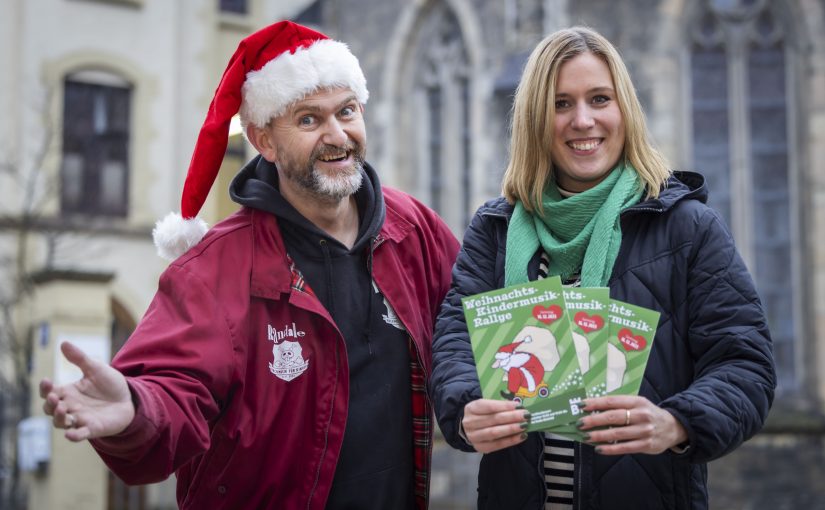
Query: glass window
point(235, 6)
point(741, 144)
point(95, 164)
point(443, 88)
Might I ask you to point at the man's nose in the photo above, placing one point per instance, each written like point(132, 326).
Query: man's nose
point(334, 133)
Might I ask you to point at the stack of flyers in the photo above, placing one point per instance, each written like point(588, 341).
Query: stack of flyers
point(549, 347)
point(523, 348)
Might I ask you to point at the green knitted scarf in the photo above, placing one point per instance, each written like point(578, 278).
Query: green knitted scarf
point(581, 232)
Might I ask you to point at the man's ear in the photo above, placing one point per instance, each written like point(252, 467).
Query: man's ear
point(262, 140)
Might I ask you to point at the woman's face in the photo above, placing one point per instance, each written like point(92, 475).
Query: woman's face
point(588, 129)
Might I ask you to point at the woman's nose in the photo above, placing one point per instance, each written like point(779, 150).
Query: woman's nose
point(583, 118)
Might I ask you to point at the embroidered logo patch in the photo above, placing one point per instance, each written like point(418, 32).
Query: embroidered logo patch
point(288, 361)
point(390, 317)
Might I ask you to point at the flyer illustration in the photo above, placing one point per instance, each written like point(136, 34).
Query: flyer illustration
point(524, 350)
point(631, 333)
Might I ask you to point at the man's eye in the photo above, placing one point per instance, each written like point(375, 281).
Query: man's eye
point(347, 111)
point(306, 120)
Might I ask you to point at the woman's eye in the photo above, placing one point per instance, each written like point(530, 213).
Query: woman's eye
point(562, 103)
point(600, 99)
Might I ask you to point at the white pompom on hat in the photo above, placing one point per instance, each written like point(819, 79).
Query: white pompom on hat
point(271, 69)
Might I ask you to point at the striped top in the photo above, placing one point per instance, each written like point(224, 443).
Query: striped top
point(559, 453)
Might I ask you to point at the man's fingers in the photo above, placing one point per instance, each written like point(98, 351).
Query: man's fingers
point(50, 403)
point(60, 417)
point(77, 434)
point(77, 357)
point(45, 387)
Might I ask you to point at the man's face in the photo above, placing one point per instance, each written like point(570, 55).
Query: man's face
point(320, 143)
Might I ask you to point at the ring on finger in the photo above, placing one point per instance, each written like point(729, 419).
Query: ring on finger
point(626, 417)
point(70, 421)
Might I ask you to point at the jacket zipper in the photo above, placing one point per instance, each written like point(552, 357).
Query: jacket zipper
point(326, 430)
point(378, 241)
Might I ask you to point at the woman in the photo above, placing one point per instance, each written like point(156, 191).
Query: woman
point(587, 197)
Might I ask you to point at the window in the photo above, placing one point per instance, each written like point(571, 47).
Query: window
point(742, 144)
point(442, 95)
point(524, 22)
point(95, 166)
point(233, 6)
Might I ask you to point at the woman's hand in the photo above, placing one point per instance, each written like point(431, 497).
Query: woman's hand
point(622, 424)
point(491, 425)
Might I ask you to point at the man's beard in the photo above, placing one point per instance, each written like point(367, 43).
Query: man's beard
point(334, 187)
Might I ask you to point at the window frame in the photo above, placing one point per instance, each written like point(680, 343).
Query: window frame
point(736, 48)
point(91, 202)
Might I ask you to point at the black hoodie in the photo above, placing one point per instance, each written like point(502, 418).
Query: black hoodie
point(375, 468)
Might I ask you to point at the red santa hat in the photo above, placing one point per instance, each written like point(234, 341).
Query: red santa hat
point(270, 70)
point(505, 351)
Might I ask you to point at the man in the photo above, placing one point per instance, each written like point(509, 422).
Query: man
point(283, 361)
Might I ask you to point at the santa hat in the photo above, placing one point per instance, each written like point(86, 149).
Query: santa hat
point(506, 350)
point(270, 70)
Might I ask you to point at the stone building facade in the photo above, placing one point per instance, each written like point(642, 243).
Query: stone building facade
point(732, 89)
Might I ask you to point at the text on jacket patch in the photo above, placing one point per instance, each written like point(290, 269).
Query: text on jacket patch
point(288, 361)
point(276, 335)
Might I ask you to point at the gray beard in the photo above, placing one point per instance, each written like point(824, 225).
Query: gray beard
point(328, 188)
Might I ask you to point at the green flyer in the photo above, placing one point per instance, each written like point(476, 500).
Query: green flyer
point(587, 308)
point(632, 329)
point(523, 348)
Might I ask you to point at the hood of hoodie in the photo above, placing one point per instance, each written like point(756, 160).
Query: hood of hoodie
point(256, 186)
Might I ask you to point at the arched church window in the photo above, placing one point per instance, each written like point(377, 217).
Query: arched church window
point(742, 143)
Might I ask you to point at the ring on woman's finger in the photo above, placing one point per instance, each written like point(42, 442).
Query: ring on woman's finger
point(70, 421)
point(626, 417)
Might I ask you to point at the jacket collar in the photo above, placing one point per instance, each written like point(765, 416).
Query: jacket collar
point(273, 272)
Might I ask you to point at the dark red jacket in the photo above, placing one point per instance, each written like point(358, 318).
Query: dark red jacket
point(209, 405)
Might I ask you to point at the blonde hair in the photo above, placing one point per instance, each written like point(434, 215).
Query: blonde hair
point(530, 167)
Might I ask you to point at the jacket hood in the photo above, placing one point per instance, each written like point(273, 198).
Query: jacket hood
point(256, 186)
point(679, 186)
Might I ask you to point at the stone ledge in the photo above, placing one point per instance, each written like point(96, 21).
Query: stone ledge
point(786, 421)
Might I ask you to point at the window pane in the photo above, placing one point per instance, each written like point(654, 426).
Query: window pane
point(771, 198)
point(711, 146)
point(236, 6)
point(434, 114)
point(72, 181)
point(95, 172)
point(112, 186)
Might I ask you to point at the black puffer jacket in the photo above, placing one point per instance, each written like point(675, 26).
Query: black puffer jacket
point(711, 365)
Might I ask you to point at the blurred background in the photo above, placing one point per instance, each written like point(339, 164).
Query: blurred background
point(102, 100)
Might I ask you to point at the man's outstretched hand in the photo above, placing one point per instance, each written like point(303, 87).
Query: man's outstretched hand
point(97, 405)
